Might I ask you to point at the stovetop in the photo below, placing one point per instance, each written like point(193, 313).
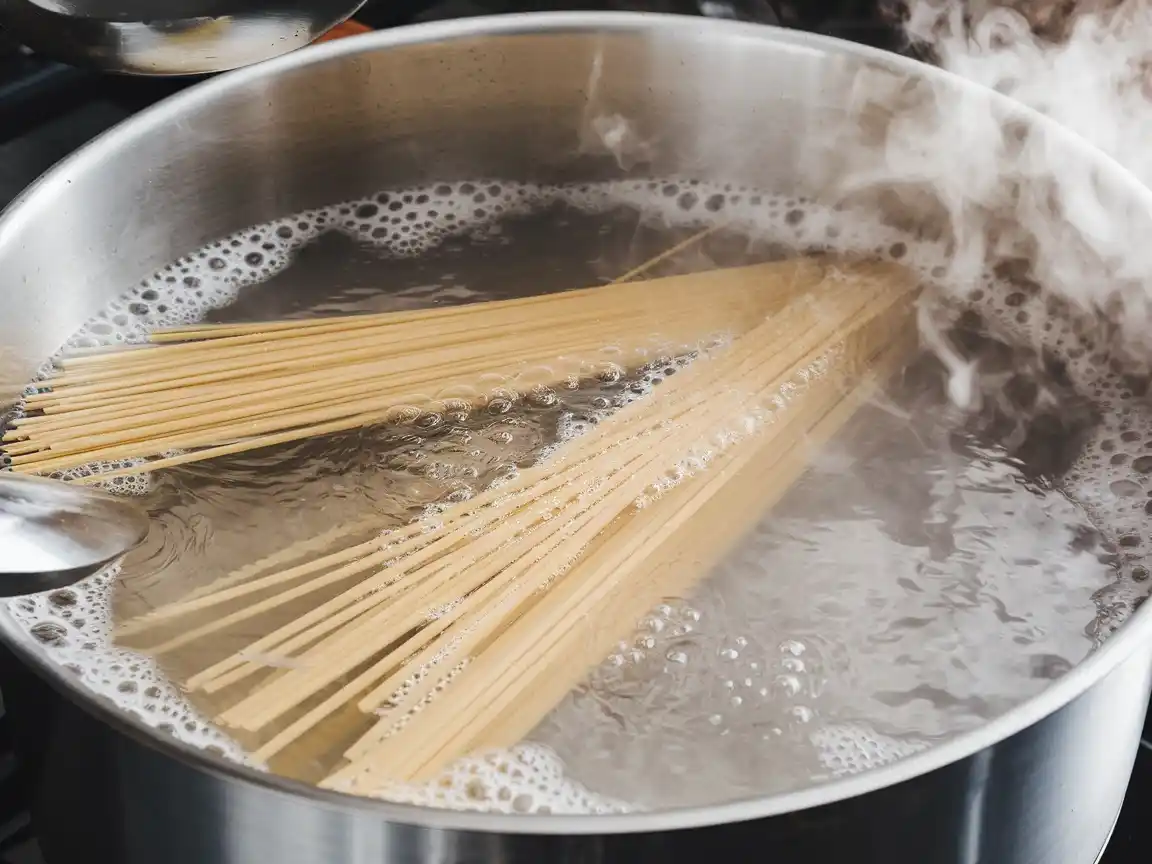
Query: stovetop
point(48, 110)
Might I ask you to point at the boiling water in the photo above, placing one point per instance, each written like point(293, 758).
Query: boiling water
point(931, 569)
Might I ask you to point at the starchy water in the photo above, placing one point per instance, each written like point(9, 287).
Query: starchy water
point(932, 569)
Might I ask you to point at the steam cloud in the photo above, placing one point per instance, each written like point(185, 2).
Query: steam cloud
point(1070, 242)
point(1088, 67)
point(1093, 74)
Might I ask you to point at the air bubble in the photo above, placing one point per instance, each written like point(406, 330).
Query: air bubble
point(49, 633)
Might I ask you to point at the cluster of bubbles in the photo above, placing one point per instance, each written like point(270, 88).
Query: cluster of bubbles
point(74, 626)
point(687, 712)
point(135, 485)
point(409, 222)
point(527, 778)
point(853, 748)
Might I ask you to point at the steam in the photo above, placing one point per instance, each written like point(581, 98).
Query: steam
point(1094, 79)
point(1091, 71)
point(1066, 235)
point(961, 371)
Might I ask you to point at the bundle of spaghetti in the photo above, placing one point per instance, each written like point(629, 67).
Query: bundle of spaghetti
point(465, 630)
point(205, 391)
point(481, 693)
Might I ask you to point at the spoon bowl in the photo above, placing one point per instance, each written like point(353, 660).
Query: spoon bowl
point(174, 37)
point(53, 534)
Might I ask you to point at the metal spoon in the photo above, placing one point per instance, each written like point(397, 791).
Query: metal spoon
point(170, 37)
point(53, 534)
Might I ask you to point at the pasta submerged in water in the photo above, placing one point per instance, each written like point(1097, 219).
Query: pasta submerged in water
point(379, 648)
point(474, 627)
point(234, 388)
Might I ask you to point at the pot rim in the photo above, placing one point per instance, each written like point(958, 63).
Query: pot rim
point(1135, 633)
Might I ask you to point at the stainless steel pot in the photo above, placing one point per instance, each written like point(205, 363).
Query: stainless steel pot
point(511, 97)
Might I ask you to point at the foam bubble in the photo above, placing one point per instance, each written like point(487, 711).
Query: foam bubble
point(855, 748)
point(134, 485)
point(528, 778)
point(410, 222)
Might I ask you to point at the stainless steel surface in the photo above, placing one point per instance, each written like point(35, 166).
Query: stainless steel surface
point(1047, 795)
point(53, 534)
point(512, 98)
point(173, 37)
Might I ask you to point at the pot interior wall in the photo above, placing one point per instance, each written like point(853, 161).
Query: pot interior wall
point(271, 141)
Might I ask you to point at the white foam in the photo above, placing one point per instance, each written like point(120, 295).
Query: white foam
point(409, 222)
point(527, 778)
point(74, 627)
point(855, 748)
